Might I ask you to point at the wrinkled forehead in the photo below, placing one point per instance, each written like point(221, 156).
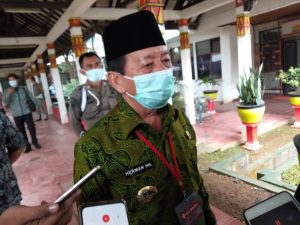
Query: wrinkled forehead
point(148, 53)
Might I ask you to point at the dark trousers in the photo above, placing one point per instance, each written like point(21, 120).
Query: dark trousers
point(20, 123)
point(297, 193)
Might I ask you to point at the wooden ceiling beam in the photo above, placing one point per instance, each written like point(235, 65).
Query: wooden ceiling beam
point(13, 61)
point(11, 69)
point(22, 41)
point(37, 5)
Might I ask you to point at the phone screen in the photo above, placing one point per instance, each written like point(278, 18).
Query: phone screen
point(287, 214)
point(104, 214)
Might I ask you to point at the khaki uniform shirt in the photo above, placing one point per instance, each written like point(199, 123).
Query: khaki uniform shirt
point(94, 110)
point(113, 144)
point(37, 90)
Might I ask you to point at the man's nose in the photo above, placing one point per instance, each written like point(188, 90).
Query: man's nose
point(159, 66)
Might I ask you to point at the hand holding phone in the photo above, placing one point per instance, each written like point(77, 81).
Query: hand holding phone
point(77, 185)
point(280, 209)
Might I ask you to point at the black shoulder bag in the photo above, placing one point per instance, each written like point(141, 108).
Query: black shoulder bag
point(31, 105)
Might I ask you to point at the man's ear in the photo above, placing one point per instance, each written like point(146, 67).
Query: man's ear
point(116, 81)
point(82, 72)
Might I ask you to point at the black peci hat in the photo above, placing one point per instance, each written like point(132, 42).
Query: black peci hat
point(131, 33)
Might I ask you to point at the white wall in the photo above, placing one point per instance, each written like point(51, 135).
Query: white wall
point(197, 36)
point(229, 60)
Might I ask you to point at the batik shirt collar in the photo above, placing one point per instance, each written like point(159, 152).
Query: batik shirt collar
point(132, 119)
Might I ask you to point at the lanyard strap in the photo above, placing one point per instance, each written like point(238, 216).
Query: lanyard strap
point(174, 171)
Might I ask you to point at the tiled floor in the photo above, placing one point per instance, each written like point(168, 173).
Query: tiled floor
point(46, 173)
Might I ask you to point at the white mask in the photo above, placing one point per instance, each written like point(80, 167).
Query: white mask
point(96, 75)
point(13, 83)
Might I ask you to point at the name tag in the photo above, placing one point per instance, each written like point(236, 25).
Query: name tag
point(138, 169)
point(189, 211)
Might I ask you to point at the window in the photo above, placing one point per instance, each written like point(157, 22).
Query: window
point(270, 45)
point(176, 61)
point(209, 58)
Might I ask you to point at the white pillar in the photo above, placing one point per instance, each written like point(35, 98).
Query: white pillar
point(44, 81)
point(78, 45)
point(244, 41)
point(230, 75)
point(28, 82)
point(57, 84)
point(1, 88)
point(188, 90)
point(46, 93)
point(81, 78)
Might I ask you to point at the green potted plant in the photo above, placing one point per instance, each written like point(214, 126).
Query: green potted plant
point(251, 106)
point(178, 99)
point(210, 93)
point(292, 78)
point(210, 82)
point(69, 87)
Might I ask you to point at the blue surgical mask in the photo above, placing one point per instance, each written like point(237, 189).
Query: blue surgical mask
point(153, 90)
point(13, 83)
point(96, 75)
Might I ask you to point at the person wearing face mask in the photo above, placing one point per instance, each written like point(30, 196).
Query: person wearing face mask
point(16, 99)
point(92, 100)
point(145, 146)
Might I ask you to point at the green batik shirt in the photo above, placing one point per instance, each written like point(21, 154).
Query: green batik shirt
point(128, 165)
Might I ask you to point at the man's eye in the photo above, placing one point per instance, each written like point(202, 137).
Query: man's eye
point(149, 65)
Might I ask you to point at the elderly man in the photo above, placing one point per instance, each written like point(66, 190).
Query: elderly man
point(94, 99)
point(146, 148)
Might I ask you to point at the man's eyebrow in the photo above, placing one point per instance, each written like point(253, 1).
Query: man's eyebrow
point(148, 57)
point(151, 57)
point(165, 53)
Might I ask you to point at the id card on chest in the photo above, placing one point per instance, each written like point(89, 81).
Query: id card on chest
point(189, 211)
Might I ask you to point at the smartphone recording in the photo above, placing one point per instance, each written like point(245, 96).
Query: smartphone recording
point(280, 209)
point(77, 185)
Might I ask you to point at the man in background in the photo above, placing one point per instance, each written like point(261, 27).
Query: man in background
point(16, 97)
point(91, 101)
point(38, 94)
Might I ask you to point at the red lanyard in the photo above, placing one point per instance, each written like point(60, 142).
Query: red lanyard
point(174, 171)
